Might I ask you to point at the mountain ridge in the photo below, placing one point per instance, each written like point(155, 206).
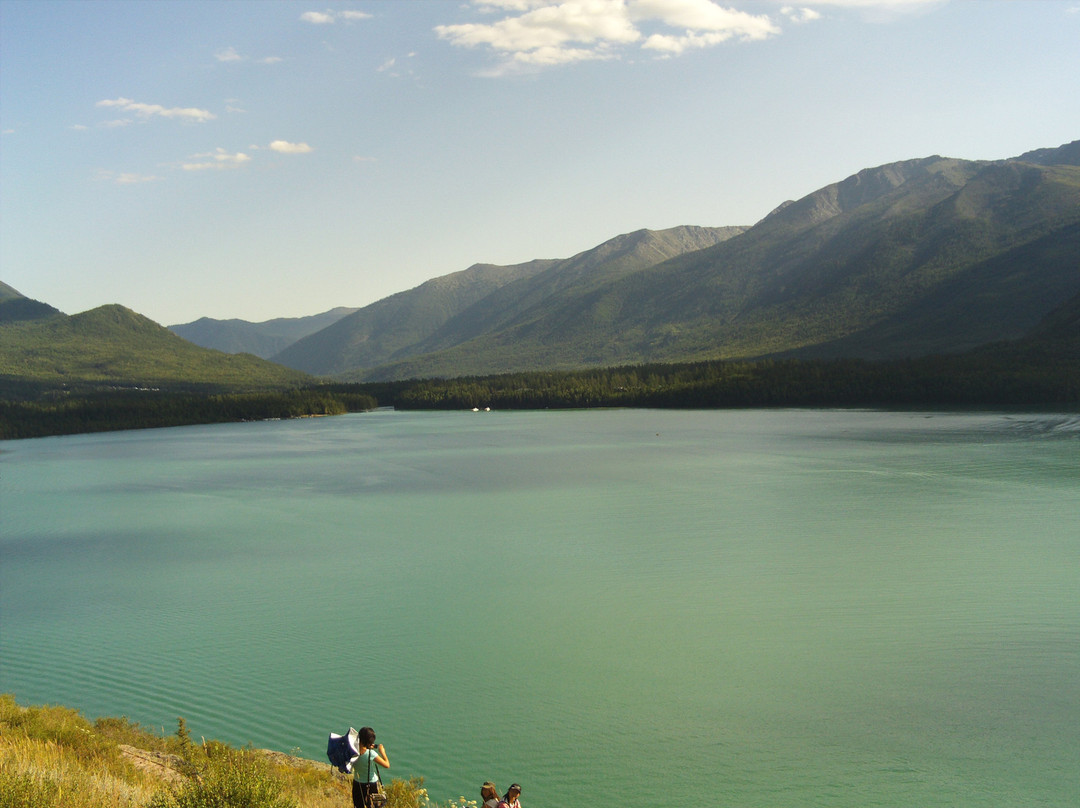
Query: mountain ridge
point(428, 315)
point(828, 269)
point(112, 346)
point(263, 339)
point(922, 256)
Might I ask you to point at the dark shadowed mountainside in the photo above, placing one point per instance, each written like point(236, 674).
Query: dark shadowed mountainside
point(16, 307)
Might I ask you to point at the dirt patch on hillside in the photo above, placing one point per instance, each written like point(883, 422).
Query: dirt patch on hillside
point(157, 764)
point(172, 768)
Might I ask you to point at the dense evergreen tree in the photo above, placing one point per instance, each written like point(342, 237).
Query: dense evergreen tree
point(141, 409)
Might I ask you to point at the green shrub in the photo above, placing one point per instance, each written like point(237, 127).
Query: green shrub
point(230, 780)
point(23, 790)
point(406, 793)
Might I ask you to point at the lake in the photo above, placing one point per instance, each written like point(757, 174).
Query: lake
point(749, 608)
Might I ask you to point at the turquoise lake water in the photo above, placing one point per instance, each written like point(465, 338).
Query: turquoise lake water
point(754, 608)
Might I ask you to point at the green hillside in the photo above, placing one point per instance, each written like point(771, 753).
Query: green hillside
point(455, 308)
point(379, 331)
point(114, 346)
point(920, 257)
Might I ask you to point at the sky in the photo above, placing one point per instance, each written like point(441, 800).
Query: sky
point(256, 159)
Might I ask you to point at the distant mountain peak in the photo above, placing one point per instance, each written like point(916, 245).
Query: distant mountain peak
point(263, 339)
point(16, 307)
point(1065, 155)
point(8, 293)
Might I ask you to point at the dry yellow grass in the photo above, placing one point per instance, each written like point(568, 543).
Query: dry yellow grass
point(52, 757)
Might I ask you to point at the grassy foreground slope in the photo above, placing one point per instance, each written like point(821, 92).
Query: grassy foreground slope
point(53, 757)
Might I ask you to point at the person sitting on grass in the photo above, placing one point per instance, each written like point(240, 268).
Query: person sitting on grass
point(510, 798)
point(490, 795)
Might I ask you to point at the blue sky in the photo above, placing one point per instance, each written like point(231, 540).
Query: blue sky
point(260, 159)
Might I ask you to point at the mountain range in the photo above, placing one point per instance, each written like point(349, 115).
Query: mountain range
point(456, 309)
point(924, 256)
point(112, 347)
point(263, 339)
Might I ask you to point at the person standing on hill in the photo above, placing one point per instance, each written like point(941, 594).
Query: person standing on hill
point(366, 768)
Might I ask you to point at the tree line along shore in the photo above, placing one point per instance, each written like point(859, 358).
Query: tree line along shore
point(1005, 379)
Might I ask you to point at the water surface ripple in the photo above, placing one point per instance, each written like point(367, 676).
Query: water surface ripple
point(759, 608)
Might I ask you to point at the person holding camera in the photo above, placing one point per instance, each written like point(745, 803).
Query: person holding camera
point(366, 768)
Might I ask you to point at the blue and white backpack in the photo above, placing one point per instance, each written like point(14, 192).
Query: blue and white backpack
point(343, 750)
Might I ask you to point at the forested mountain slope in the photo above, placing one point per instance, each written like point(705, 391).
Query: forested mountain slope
point(923, 256)
point(454, 308)
point(112, 346)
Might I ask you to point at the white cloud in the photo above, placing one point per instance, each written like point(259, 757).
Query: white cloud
point(397, 67)
point(678, 44)
point(896, 4)
point(871, 10)
point(125, 178)
point(560, 56)
point(329, 17)
point(550, 25)
point(546, 32)
point(800, 15)
point(285, 147)
point(317, 17)
point(216, 160)
point(231, 54)
point(509, 5)
point(703, 15)
point(151, 110)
